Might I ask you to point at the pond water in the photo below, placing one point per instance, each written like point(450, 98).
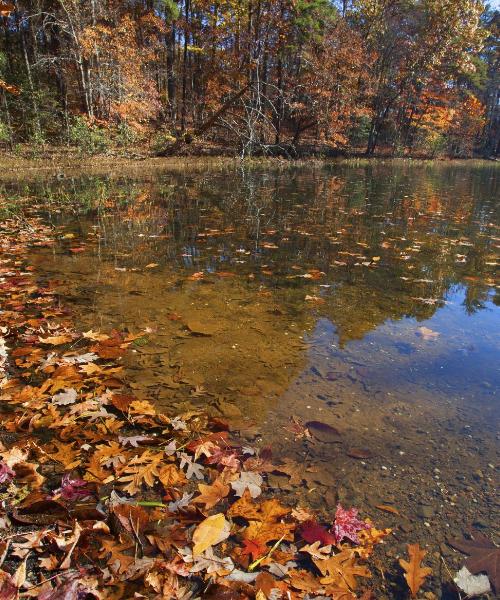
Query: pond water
point(361, 296)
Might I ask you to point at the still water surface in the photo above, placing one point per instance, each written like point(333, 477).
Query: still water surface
point(362, 296)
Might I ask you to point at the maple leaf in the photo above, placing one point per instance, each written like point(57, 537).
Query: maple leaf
point(341, 570)
point(212, 494)
point(210, 532)
point(311, 531)
point(347, 525)
point(72, 489)
point(264, 520)
point(415, 574)
point(170, 475)
point(254, 548)
point(368, 538)
point(483, 556)
point(248, 481)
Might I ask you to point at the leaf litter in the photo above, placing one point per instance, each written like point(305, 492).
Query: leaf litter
point(123, 500)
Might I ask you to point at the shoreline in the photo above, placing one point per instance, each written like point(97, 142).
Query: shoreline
point(66, 164)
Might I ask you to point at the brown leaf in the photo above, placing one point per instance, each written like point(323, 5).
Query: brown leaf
point(341, 570)
point(6, 8)
point(133, 518)
point(415, 574)
point(56, 340)
point(389, 509)
point(359, 453)
point(483, 556)
point(323, 432)
point(212, 494)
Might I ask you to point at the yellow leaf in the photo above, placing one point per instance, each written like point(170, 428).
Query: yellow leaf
point(210, 532)
point(56, 340)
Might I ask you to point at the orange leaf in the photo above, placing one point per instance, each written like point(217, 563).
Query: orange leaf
point(212, 494)
point(415, 574)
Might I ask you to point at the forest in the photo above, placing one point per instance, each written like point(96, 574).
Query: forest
point(251, 77)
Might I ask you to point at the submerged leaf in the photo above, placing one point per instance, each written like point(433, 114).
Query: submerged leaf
point(415, 574)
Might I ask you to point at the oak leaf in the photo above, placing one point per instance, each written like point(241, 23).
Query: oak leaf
point(341, 570)
point(316, 551)
point(415, 574)
point(141, 469)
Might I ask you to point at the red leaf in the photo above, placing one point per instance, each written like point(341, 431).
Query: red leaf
point(253, 547)
point(311, 531)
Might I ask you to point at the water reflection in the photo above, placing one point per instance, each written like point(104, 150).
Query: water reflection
point(365, 297)
point(364, 248)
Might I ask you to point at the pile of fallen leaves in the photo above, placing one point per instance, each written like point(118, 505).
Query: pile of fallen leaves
point(104, 497)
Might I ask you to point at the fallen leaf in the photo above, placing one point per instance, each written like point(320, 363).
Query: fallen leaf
point(415, 574)
point(212, 494)
point(347, 525)
point(248, 481)
point(484, 556)
point(427, 334)
point(316, 551)
point(254, 548)
point(311, 531)
point(210, 532)
point(341, 570)
point(389, 509)
point(472, 585)
point(323, 432)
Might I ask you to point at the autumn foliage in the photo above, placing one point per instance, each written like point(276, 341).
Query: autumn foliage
point(251, 77)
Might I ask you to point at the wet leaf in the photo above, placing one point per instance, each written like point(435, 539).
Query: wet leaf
point(248, 481)
point(323, 432)
point(341, 570)
point(347, 525)
point(210, 532)
point(415, 574)
point(212, 494)
point(484, 556)
point(311, 531)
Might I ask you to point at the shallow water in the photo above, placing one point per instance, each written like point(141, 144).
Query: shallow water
point(364, 297)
